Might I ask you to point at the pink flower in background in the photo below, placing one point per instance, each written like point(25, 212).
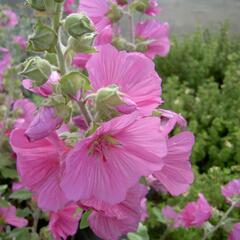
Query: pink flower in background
point(170, 119)
point(173, 218)
point(5, 61)
point(232, 189)
point(133, 73)
point(176, 174)
point(97, 10)
point(122, 2)
point(155, 184)
point(27, 110)
point(8, 216)
point(235, 233)
point(64, 222)
point(46, 89)
point(20, 41)
point(113, 159)
point(196, 213)
point(153, 8)
point(9, 19)
point(156, 36)
point(45, 122)
point(79, 122)
point(112, 221)
point(39, 166)
point(70, 6)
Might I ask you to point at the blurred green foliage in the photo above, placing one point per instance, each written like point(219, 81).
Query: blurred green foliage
point(201, 80)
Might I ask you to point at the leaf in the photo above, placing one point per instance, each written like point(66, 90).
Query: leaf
point(3, 188)
point(84, 220)
point(20, 234)
point(158, 215)
point(141, 234)
point(3, 203)
point(9, 173)
point(21, 195)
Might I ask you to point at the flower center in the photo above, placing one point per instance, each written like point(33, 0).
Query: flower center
point(101, 145)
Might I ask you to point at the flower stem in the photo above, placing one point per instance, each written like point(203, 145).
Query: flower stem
point(56, 26)
point(86, 115)
point(224, 217)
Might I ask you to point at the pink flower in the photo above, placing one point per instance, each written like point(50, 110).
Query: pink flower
point(173, 218)
point(46, 89)
point(235, 233)
point(153, 8)
point(122, 2)
point(80, 60)
point(97, 10)
point(109, 222)
point(132, 73)
point(176, 174)
point(79, 122)
point(113, 159)
point(9, 19)
point(27, 110)
point(8, 216)
point(70, 6)
point(5, 61)
point(20, 40)
point(155, 184)
point(232, 189)
point(16, 186)
point(170, 119)
point(39, 165)
point(64, 223)
point(45, 122)
point(156, 36)
point(196, 213)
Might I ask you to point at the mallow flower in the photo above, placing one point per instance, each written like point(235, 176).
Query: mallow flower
point(153, 8)
point(70, 6)
point(172, 217)
point(39, 165)
point(114, 158)
point(132, 73)
point(44, 123)
point(235, 233)
point(153, 38)
point(8, 18)
point(45, 89)
point(113, 221)
point(64, 222)
point(8, 216)
point(196, 213)
point(232, 189)
point(176, 175)
point(25, 110)
point(20, 41)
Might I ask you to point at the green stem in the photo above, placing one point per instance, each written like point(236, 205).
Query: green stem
point(85, 113)
point(56, 26)
point(224, 217)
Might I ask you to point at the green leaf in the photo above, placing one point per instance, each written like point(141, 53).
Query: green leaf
point(84, 220)
point(141, 234)
point(158, 215)
point(9, 173)
point(21, 195)
point(3, 188)
point(3, 202)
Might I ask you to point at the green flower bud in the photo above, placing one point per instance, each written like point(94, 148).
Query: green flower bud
point(77, 24)
point(115, 13)
point(37, 69)
point(37, 4)
point(122, 44)
point(43, 39)
point(140, 5)
point(59, 1)
point(142, 45)
point(83, 44)
point(72, 83)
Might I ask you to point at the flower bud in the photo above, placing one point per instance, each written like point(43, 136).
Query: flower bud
point(43, 39)
point(115, 13)
point(83, 44)
point(37, 69)
point(111, 102)
point(59, 1)
point(77, 24)
point(72, 83)
point(140, 5)
point(122, 44)
point(37, 4)
point(122, 2)
point(45, 122)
